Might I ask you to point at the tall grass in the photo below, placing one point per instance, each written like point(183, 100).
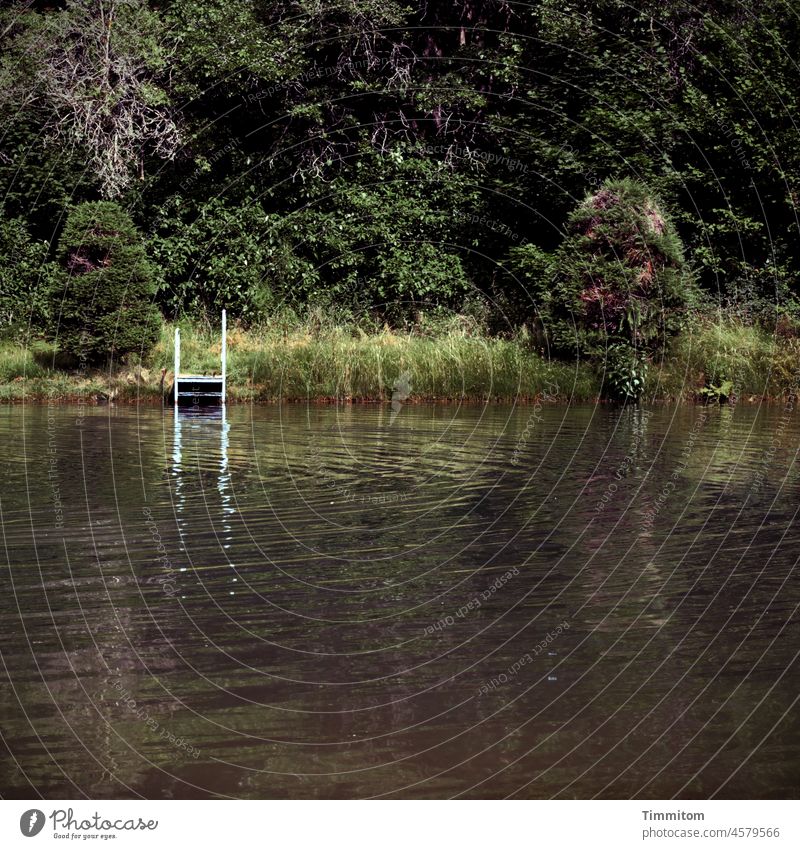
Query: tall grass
point(323, 358)
point(29, 371)
point(318, 359)
point(714, 350)
point(18, 363)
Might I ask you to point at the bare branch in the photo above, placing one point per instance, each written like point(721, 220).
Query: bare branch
point(101, 89)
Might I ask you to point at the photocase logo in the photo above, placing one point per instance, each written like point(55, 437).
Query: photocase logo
point(31, 822)
point(401, 389)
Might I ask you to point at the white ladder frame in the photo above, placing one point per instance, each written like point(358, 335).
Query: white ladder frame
point(177, 361)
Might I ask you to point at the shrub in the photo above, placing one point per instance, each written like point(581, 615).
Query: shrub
point(220, 255)
point(25, 278)
point(534, 268)
point(385, 238)
point(618, 283)
point(105, 307)
point(625, 373)
point(620, 275)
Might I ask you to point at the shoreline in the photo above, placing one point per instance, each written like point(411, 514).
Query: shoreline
point(712, 361)
point(256, 396)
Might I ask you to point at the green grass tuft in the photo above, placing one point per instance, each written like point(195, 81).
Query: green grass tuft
point(713, 351)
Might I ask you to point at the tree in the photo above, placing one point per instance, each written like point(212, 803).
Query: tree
point(104, 308)
point(90, 72)
point(324, 115)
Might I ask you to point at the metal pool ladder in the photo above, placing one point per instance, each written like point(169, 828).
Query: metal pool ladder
point(199, 390)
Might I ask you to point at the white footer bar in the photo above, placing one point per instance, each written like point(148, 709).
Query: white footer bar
point(402, 824)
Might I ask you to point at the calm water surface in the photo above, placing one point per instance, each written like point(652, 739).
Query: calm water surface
point(332, 602)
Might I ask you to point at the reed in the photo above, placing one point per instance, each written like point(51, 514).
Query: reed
point(306, 360)
point(320, 358)
point(720, 350)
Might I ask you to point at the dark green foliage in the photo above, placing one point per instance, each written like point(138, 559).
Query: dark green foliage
point(624, 372)
point(221, 255)
point(532, 269)
point(104, 307)
point(382, 155)
point(388, 239)
point(25, 278)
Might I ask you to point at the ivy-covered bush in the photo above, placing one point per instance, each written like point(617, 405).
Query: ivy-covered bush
point(104, 306)
point(620, 275)
point(618, 282)
point(25, 278)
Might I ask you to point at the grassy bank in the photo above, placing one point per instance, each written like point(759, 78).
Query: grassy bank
point(308, 361)
point(719, 355)
point(300, 361)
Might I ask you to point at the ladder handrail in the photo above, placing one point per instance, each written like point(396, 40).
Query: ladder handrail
point(177, 365)
point(224, 356)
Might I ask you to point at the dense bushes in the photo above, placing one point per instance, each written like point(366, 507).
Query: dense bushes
point(104, 307)
point(385, 242)
point(386, 157)
point(25, 278)
point(388, 239)
point(620, 275)
point(223, 255)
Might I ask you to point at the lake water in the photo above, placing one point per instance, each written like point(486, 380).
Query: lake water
point(339, 602)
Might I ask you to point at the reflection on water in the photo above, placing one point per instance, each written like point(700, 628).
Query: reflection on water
point(339, 602)
point(200, 426)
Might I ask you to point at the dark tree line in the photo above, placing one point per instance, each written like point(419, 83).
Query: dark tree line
point(377, 155)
